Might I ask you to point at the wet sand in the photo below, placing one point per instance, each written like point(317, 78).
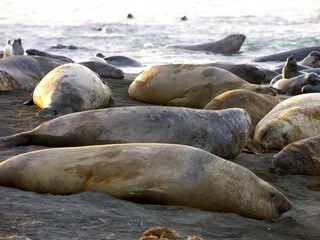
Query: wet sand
point(91, 215)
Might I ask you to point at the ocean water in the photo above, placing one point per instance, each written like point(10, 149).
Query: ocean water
point(102, 26)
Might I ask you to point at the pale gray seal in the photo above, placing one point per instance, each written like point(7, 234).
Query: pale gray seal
point(70, 88)
point(147, 173)
point(223, 132)
point(293, 86)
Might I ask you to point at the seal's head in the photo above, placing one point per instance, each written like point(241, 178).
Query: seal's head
point(291, 63)
point(297, 158)
point(273, 135)
point(313, 78)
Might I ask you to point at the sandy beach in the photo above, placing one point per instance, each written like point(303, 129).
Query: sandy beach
point(91, 215)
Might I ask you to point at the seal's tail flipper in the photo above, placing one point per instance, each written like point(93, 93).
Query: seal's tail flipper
point(254, 147)
point(15, 140)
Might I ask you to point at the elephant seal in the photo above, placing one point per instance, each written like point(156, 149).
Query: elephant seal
point(298, 53)
point(256, 105)
point(310, 88)
point(104, 69)
point(269, 74)
point(68, 88)
point(310, 61)
point(228, 45)
point(223, 133)
point(248, 72)
point(289, 70)
point(147, 173)
point(24, 72)
point(187, 85)
point(35, 52)
point(300, 157)
point(291, 120)
point(121, 61)
point(293, 86)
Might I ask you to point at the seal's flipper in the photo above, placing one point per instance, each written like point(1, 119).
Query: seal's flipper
point(147, 196)
point(254, 147)
point(111, 102)
point(29, 101)
point(46, 113)
point(18, 139)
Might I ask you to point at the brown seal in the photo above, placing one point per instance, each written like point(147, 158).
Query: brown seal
point(187, 85)
point(300, 157)
point(256, 105)
point(147, 173)
point(291, 120)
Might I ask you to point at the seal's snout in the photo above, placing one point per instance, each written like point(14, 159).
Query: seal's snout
point(285, 206)
point(282, 204)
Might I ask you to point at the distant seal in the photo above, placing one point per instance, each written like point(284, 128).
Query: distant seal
point(147, 173)
point(121, 61)
point(24, 72)
point(17, 48)
point(293, 86)
point(248, 72)
point(256, 105)
point(187, 85)
point(36, 52)
point(156, 124)
point(291, 120)
point(104, 69)
point(184, 18)
point(228, 45)
point(70, 88)
point(129, 16)
point(289, 70)
point(298, 53)
point(95, 59)
point(300, 157)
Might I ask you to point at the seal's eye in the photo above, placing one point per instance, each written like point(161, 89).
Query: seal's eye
point(272, 194)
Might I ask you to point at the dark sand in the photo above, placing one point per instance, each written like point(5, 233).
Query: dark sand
point(91, 215)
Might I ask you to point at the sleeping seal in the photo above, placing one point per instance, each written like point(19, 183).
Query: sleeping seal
point(291, 120)
point(70, 88)
point(187, 85)
point(223, 133)
point(147, 173)
point(300, 157)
